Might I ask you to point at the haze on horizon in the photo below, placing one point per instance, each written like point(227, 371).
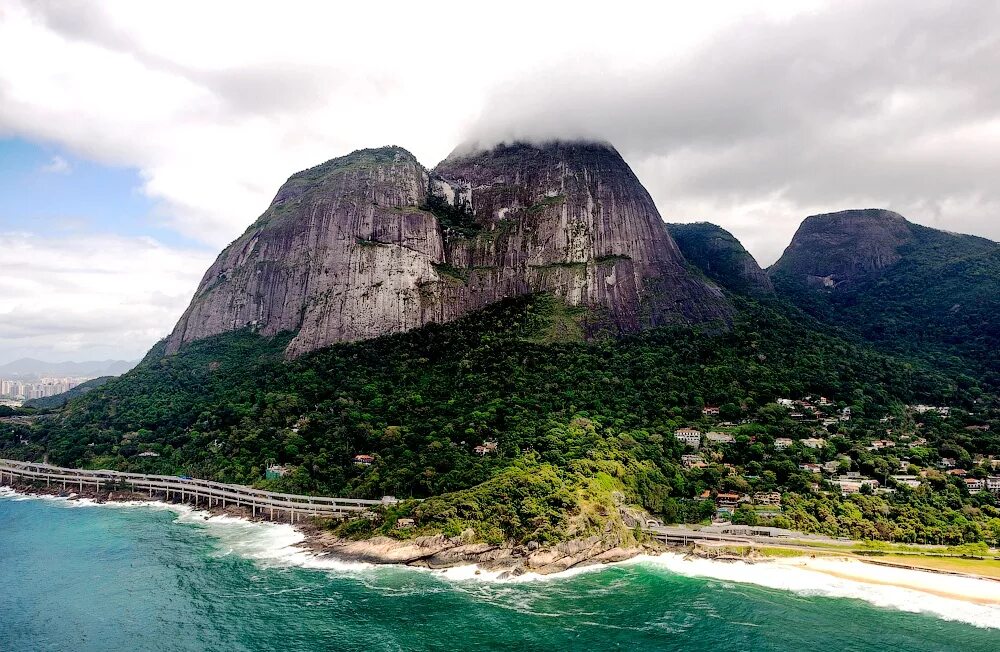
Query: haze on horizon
point(137, 140)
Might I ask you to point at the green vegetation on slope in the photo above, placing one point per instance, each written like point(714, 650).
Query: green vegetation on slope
point(579, 427)
point(939, 303)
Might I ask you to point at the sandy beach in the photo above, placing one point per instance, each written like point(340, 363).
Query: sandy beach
point(968, 588)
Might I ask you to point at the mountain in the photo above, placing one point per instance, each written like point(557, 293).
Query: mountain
point(29, 367)
point(911, 288)
point(721, 257)
point(59, 400)
point(372, 243)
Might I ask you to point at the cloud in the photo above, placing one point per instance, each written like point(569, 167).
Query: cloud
point(856, 105)
point(91, 296)
point(752, 115)
point(58, 165)
point(217, 104)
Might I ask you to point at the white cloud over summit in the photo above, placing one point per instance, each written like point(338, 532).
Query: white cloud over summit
point(748, 114)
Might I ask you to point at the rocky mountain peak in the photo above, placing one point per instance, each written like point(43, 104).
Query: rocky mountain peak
point(372, 243)
point(832, 249)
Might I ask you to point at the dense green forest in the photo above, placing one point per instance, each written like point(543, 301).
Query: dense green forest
point(579, 427)
point(939, 303)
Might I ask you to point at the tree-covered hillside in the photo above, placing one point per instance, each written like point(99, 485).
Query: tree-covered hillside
point(575, 424)
point(940, 302)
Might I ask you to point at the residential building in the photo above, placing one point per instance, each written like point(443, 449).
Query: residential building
point(910, 481)
point(813, 443)
point(691, 461)
point(719, 437)
point(993, 484)
point(689, 437)
point(767, 498)
point(710, 410)
point(364, 460)
point(486, 448)
point(781, 443)
point(975, 484)
point(852, 485)
point(727, 500)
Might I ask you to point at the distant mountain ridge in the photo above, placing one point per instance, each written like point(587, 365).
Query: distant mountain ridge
point(25, 367)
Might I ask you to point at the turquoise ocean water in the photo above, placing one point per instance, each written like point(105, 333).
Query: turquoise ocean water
point(141, 578)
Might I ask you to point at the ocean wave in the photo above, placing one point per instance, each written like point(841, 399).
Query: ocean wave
point(273, 545)
point(791, 575)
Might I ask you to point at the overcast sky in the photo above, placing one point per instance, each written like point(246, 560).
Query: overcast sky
point(137, 139)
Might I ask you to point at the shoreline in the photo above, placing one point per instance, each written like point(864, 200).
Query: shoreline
point(508, 562)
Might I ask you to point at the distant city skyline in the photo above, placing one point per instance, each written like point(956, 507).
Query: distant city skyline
point(23, 390)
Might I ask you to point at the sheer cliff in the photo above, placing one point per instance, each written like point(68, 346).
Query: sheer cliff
point(372, 243)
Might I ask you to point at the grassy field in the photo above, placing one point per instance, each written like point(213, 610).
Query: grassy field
point(900, 555)
point(984, 567)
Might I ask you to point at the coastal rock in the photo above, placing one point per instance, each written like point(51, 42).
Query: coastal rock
point(372, 243)
point(439, 552)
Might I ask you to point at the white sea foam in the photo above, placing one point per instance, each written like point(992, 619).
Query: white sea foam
point(471, 572)
point(811, 577)
point(268, 544)
point(279, 545)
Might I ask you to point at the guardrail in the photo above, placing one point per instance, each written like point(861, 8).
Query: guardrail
point(261, 503)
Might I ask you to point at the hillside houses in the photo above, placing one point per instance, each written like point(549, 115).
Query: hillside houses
point(689, 437)
point(486, 448)
point(719, 438)
point(933, 409)
point(771, 498)
point(693, 461)
point(851, 483)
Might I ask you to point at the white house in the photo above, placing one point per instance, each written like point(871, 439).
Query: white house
point(689, 437)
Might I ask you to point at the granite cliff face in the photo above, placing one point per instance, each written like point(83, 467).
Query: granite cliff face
point(835, 249)
point(722, 258)
point(372, 243)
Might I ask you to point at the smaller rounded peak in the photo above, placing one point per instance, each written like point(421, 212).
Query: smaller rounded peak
point(857, 216)
point(360, 161)
point(386, 154)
